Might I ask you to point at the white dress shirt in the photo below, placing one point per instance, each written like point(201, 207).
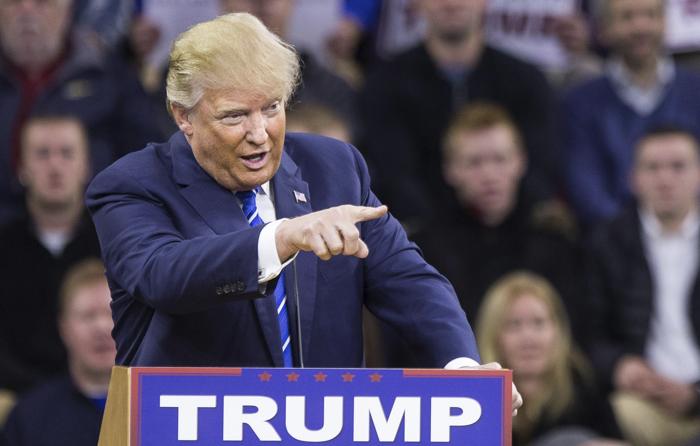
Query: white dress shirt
point(269, 264)
point(54, 241)
point(673, 260)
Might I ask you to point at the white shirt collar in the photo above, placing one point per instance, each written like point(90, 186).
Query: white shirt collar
point(643, 101)
point(653, 229)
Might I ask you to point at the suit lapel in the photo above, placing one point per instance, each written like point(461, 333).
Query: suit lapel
point(290, 191)
point(215, 204)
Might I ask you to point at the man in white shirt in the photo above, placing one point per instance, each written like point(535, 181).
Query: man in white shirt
point(645, 294)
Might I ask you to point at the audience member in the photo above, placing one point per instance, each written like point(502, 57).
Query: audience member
point(38, 249)
point(553, 35)
point(67, 410)
point(408, 102)
point(604, 117)
point(498, 226)
point(317, 84)
point(315, 118)
point(523, 326)
point(46, 66)
point(645, 294)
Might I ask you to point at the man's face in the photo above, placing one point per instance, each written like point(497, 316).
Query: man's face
point(54, 167)
point(635, 29)
point(32, 32)
point(485, 167)
point(666, 176)
point(452, 19)
point(86, 327)
point(236, 137)
point(273, 13)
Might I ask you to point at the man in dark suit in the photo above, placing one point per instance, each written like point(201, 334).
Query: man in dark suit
point(204, 237)
point(645, 294)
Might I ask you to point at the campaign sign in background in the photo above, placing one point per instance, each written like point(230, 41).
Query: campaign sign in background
point(155, 425)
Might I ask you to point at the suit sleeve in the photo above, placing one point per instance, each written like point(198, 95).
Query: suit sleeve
point(404, 291)
point(146, 255)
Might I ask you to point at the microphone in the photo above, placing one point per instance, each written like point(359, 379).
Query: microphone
point(298, 321)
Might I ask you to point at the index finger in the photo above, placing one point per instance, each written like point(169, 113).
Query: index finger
point(366, 213)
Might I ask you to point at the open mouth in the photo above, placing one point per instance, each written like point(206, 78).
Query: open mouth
point(255, 161)
point(256, 157)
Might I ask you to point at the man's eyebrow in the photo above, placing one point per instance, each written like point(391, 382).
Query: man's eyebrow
point(231, 111)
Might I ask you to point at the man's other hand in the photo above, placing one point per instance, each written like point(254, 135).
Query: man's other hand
point(326, 233)
point(517, 399)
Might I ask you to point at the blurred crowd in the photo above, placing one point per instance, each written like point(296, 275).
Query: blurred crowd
point(543, 154)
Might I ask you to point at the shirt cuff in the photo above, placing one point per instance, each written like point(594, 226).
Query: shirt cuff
point(269, 265)
point(461, 363)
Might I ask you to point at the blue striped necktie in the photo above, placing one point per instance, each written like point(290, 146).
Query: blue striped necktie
point(250, 210)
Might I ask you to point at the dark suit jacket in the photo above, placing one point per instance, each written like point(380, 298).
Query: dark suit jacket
point(621, 293)
point(407, 104)
point(182, 264)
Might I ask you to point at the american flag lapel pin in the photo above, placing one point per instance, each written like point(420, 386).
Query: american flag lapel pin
point(299, 197)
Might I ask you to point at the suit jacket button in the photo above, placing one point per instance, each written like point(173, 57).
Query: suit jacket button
point(219, 291)
point(240, 286)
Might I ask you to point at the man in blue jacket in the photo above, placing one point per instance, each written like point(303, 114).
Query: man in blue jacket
point(603, 118)
point(212, 240)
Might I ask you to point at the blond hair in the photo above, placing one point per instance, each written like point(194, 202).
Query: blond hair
point(233, 51)
point(476, 117)
point(558, 394)
point(85, 273)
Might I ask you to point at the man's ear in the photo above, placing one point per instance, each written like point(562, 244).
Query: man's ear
point(182, 119)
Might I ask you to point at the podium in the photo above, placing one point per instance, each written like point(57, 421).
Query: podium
point(170, 406)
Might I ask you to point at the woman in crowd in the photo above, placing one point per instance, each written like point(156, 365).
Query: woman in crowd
point(523, 325)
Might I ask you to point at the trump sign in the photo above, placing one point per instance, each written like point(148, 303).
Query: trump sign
point(227, 406)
